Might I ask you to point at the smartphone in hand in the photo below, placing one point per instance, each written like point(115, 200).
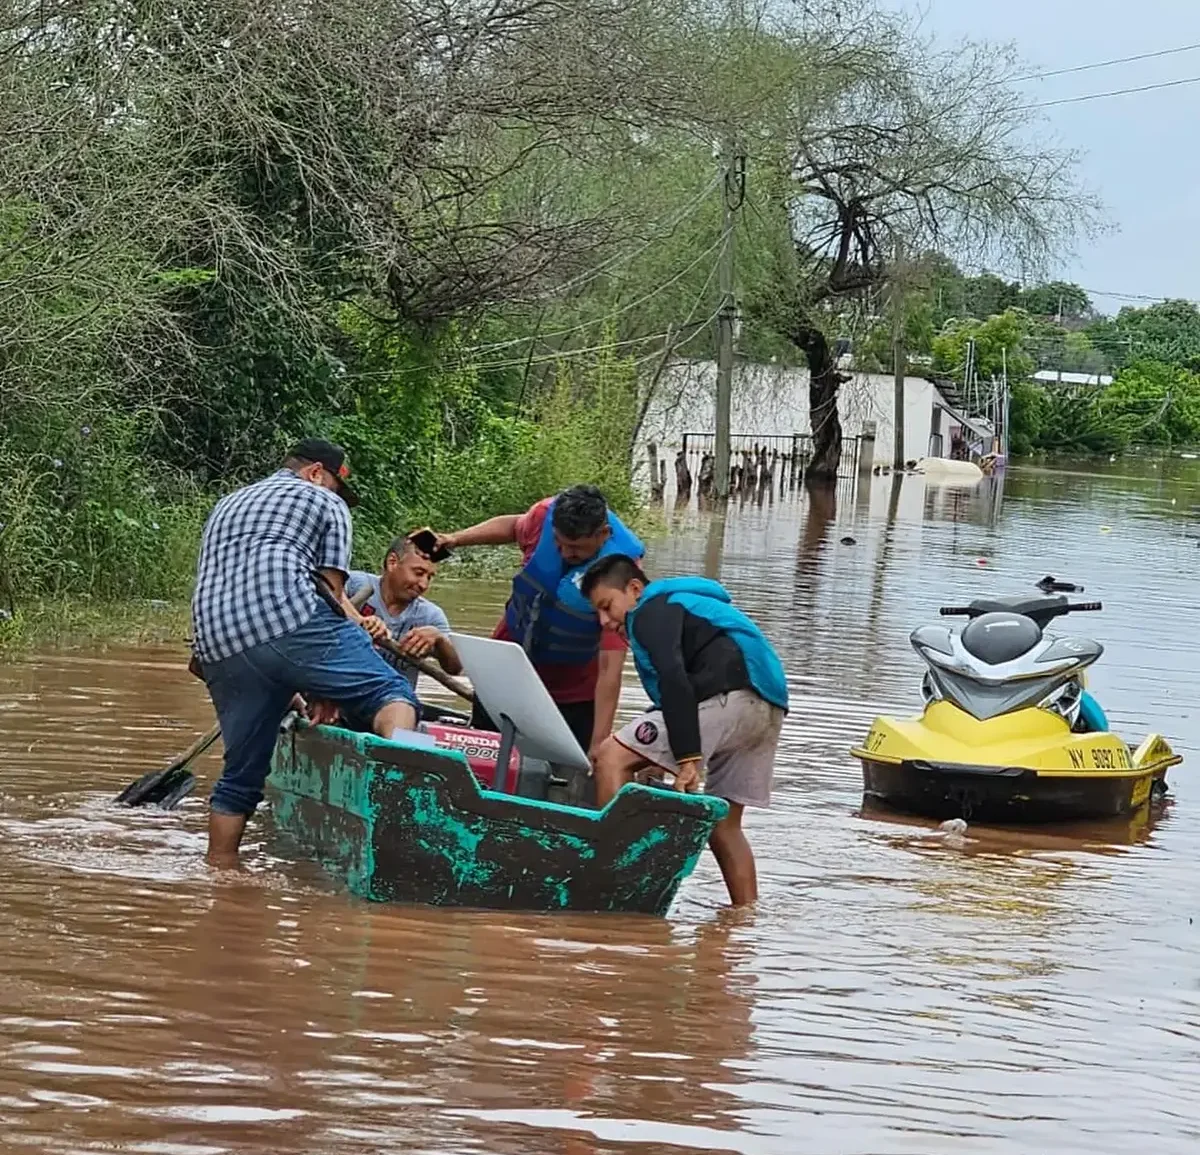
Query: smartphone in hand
point(426, 542)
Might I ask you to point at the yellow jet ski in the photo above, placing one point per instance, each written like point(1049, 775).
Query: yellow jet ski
point(1009, 733)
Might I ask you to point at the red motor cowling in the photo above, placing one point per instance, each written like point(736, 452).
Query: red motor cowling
point(527, 777)
point(481, 749)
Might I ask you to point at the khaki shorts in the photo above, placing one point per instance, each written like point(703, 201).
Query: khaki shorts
point(739, 733)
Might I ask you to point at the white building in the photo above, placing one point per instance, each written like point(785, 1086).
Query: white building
point(772, 401)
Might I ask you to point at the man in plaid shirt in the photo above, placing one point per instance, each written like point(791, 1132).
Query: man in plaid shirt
point(263, 633)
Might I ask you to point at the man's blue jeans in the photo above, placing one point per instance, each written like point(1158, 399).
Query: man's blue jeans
point(329, 658)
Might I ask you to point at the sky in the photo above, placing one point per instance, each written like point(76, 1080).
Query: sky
point(1140, 152)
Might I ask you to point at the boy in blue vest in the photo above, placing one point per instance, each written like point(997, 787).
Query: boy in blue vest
point(578, 662)
point(719, 695)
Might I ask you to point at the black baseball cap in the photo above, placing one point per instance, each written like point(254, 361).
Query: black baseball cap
point(333, 457)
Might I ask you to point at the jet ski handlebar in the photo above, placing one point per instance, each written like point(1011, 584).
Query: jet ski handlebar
point(980, 608)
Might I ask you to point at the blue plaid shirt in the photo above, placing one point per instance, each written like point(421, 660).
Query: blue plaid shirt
point(260, 548)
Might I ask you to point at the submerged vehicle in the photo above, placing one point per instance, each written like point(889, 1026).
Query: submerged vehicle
point(1009, 733)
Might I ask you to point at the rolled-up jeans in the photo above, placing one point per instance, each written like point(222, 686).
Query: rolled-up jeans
point(328, 658)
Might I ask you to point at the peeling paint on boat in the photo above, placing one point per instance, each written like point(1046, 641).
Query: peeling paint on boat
point(406, 824)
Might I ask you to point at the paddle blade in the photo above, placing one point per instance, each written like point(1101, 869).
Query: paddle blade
point(150, 789)
point(132, 794)
point(174, 797)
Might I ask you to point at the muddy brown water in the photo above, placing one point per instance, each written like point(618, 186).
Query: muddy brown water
point(896, 990)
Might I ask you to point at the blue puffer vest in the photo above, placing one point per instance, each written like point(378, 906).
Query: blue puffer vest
point(710, 600)
point(546, 613)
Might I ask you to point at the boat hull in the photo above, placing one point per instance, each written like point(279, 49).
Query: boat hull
point(403, 824)
point(1003, 795)
point(1023, 767)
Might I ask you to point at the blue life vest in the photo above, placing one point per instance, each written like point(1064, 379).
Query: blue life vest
point(546, 613)
point(710, 600)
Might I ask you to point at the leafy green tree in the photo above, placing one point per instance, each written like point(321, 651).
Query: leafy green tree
point(1156, 403)
point(1060, 299)
point(1027, 418)
point(999, 343)
point(1168, 332)
point(987, 294)
point(1073, 420)
point(1054, 347)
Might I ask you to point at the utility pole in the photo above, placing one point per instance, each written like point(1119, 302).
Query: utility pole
point(899, 357)
point(733, 192)
point(1003, 447)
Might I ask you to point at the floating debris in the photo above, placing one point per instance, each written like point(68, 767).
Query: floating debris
point(1051, 585)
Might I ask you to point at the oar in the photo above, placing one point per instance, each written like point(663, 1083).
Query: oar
point(430, 669)
point(168, 787)
point(426, 667)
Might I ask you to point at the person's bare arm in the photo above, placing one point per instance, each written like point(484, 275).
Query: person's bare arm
point(447, 655)
point(495, 531)
point(336, 580)
point(608, 694)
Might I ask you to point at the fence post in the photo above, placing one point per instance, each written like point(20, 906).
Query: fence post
point(656, 479)
point(866, 449)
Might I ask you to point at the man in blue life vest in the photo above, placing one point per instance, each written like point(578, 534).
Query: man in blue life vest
point(719, 695)
point(579, 663)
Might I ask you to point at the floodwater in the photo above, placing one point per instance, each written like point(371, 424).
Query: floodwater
point(896, 990)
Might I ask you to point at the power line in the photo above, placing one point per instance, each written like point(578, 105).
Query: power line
point(1105, 63)
point(591, 274)
point(450, 364)
point(543, 337)
point(1105, 95)
point(1138, 297)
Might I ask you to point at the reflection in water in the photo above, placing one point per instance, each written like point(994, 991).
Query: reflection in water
point(714, 542)
point(822, 509)
point(901, 987)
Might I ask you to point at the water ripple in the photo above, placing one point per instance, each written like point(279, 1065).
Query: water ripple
point(900, 988)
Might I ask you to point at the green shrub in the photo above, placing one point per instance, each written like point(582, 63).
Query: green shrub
point(85, 513)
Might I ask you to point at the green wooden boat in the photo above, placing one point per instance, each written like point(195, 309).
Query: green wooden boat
point(401, 823)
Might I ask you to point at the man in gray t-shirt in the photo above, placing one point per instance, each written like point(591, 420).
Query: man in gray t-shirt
point(418, 625)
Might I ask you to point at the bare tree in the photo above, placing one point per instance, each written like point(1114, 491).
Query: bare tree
point(184, 179)
point(902, 144)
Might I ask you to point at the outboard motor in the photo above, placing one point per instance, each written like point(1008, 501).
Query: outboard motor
point(527, 777)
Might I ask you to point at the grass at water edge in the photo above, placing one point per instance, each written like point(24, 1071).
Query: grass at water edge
point(70, 623)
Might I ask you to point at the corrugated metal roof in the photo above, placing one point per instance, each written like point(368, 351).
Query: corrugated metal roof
point(1053, 377)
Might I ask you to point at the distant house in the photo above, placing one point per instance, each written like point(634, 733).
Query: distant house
point(771, 402)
